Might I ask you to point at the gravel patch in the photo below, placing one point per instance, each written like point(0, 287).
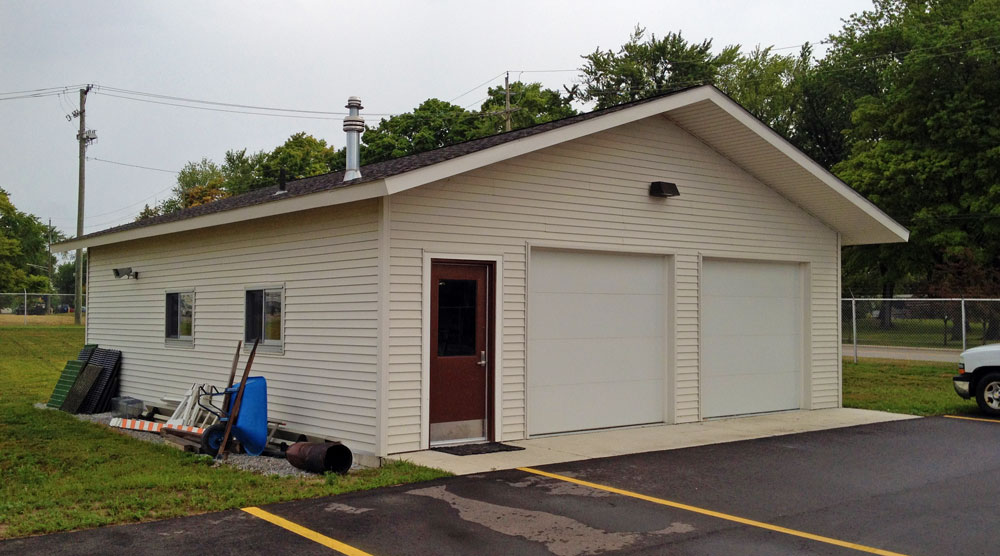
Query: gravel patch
point(256, 464)
point(267, 466)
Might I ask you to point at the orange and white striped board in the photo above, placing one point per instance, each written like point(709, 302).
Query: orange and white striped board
point(150, 426)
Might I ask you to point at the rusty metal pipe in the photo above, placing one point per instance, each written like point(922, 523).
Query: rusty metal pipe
point(320, 457)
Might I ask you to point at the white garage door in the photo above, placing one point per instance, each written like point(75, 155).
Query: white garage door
point(595, 340)
point(752, 337)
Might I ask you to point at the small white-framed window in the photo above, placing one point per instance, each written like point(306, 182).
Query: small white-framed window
point(263, 317)
point(179, 317)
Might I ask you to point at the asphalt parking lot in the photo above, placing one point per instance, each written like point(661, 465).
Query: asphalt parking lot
point(916, 487)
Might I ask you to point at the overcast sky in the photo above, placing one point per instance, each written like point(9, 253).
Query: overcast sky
point(301, 55)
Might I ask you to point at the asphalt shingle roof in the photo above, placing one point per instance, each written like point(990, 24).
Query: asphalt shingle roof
point(370, 172)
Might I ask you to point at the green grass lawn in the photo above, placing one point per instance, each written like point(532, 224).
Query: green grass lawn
point(59, 473)
point(912, 387)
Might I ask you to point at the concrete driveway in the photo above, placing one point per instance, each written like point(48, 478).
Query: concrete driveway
point(919, 486)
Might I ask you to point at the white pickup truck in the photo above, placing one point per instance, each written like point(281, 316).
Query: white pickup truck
point(979, 377)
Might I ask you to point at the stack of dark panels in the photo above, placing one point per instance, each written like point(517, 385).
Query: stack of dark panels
point(86, 353)
point(81, 389)
point(98, 399)
point(69, 375)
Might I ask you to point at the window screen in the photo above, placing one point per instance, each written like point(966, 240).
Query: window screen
point(179, 318)
point(263, 316)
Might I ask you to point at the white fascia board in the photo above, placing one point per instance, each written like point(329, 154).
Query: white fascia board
point(833, 182)
point(504, 151)
point(340, 195)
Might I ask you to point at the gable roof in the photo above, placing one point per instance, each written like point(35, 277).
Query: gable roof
point(703, 111)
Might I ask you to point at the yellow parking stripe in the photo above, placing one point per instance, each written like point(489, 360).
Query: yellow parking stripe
point(307, 533)
point(715, 514)
point(972, 419)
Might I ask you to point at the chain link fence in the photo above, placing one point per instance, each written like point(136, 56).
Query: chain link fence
point(921, 326)
point(38, 309)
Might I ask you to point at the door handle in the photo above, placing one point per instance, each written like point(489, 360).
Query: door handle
point(482, 359)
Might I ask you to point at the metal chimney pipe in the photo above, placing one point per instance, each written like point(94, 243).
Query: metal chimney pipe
point(353, 125)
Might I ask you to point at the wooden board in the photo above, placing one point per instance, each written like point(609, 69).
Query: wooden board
point(80, 388)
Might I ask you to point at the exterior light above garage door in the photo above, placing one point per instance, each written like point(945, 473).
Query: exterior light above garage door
point(126, 272)
point(663, 189)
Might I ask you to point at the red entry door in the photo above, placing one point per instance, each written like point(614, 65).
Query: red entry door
point(459, 351)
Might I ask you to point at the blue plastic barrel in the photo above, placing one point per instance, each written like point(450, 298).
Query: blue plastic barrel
point(250, 427)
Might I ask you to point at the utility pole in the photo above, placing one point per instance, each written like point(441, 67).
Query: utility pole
point(84, 137)
point(506, 110)
point(48, 299)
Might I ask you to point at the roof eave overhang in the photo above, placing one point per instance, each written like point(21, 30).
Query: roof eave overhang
point(298, 203)
point(891, 232)
point(879, 228)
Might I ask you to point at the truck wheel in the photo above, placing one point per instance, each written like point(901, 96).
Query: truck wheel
point(988, 394)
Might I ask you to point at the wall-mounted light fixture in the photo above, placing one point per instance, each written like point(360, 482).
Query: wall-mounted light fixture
point(663, 189)
point(126, 272)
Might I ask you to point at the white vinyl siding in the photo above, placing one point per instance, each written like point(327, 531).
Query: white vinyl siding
point(324, 383)
point(591, 193)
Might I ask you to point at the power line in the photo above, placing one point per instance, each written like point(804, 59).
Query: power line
point(132, 165)
point(33, 95)
point(490, 80)
point(127, 207)
point(546, 71)
point(60, 88)
point(217, 103)
point(220, 109)
point(132, 93)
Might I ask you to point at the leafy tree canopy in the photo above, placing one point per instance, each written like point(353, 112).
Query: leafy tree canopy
point(644, 67)
point(531, 105)
point(431, 125)
point(301, 156)
point(924, 132)
point(24, 256)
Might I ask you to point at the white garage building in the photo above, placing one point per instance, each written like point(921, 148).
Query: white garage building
point(535, 282)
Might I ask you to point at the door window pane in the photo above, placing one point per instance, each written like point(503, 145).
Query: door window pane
point(456, 317)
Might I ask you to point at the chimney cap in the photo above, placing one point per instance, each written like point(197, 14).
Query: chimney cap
point(354, 123)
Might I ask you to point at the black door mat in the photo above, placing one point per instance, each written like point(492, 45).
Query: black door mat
point(476, 449)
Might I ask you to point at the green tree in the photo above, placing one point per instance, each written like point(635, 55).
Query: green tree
point(431, 125)
point(768, 85)
point(531, 104)
point(24, 255)
point(64, 279)
point(149, 212)
point(924, 132)
point(197, 183)
point(300, 156)
point(644, 67)
point(243, 172)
